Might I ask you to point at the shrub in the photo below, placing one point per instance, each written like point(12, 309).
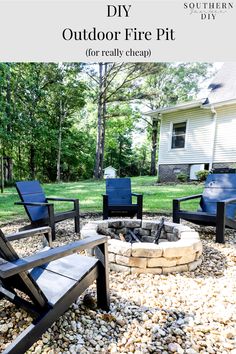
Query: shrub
point(10, 183)
point(182, 177)
point(202, 175)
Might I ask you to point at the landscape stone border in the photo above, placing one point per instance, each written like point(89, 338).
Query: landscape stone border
point(179, 249)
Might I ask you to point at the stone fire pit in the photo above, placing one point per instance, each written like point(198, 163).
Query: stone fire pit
point(179, 248)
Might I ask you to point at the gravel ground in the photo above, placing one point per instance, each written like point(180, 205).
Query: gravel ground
point(192, 312)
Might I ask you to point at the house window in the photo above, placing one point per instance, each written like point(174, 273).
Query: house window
point(178, 135)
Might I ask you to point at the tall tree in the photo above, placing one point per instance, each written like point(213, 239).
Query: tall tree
point(66, 97)
point(115, 82)
point(101, 117)
point(121, 125)
point(7, 119)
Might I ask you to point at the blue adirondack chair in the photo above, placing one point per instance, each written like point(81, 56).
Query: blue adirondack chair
point(118, 199)
point(217, 205)
point(39, 209)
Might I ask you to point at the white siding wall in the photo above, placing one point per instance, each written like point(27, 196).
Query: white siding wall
point(199, 137)
point(225, 146)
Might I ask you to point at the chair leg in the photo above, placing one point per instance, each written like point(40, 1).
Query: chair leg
point(105, 213)
point(77, 216)
point(53, 228)
point(175, 215)
point(140, 207)
point(52, 221)
point(105, 207)
point(220, 222)
point(103, 293)
point(47, 240)
point(139, 213)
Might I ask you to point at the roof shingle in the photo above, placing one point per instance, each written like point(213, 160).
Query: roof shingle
point(223, 86)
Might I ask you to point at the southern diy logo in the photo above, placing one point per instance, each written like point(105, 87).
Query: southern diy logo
point(208, 10)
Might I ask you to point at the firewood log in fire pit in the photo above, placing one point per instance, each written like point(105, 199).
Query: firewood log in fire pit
point(131, 237)
point(158, 233)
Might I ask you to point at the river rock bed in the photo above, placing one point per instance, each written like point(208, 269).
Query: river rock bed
point(191, 312)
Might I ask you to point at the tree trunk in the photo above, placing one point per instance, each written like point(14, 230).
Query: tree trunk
point(104, 112)
point(143, 162)
point(32, 162)
point(153, 170)
point(58, 178)
point(20, 162)
point(8, 159)
point(120, 152)
point(9, 168)
point(2, 175)
point(100, 127)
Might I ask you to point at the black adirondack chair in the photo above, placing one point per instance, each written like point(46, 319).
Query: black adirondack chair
point(217, 205)
point(52, 280)
point(118, 199)
point(39, 209)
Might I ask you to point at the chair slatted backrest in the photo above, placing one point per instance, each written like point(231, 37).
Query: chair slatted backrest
point(217, 188)
point(118, 191)
point(23, 281)
point(31, 191)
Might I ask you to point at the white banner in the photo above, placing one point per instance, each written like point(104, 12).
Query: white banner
point(129, 31)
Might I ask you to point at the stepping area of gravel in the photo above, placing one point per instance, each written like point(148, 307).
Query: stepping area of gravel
point(190, 312)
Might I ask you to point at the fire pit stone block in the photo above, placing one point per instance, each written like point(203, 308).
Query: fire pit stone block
point(135, 270)
point(161, 262)
point(171, 237)
point(176, 269)
point(188, 258)
point(132, 261)
point(133, 223)
point(142, 232)
point(193, 265)
point(145, 249)
point(115, 224)
point(119, 247)
point(185, 235)
point(150, 225)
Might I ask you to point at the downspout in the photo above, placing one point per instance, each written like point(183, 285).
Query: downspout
point(214, 117)
point(159, 140)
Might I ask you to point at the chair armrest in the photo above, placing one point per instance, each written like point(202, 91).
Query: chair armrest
point(33, 203)
point(20, 265)
point(31, 232)
point(228, 201)
point(62, 199)
point(136, 194)
point(188, 197)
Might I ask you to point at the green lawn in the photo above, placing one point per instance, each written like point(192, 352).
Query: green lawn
point(156, 198)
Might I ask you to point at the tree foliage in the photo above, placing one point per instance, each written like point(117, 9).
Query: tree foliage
point(64, 121)
point(40, 102)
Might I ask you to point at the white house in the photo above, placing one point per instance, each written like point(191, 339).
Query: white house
point(109, 172)
point(200, 134)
